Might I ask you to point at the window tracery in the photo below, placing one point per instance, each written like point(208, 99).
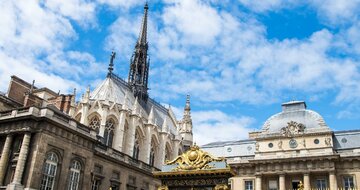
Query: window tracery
point(95, 124)
point(109, 132)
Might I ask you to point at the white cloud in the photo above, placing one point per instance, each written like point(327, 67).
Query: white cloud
point(215, 125)
point(198, 22)
point(337, 11)
point(121, 3)
point(79, 10)
point(33, 37)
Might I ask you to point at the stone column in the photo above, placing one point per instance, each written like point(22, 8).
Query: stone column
point(282, 182)
point(147, 147)
point(19, 170)
point(258, 182)
point(84, 114)
point(161, 157)
point(119, 132)
point(131, 135)
point(104, 113)
point(5, 157)
point(332, 180)
point(306, 181)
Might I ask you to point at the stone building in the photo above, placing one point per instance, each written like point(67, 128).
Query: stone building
point(115, 136)
point(293, 147)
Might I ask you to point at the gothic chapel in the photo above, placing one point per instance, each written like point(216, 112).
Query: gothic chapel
point(126, 119)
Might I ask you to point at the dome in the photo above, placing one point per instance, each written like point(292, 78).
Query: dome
point(295, 113)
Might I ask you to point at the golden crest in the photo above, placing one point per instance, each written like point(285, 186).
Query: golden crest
point(193, 159)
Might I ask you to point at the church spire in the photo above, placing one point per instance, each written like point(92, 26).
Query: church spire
point(139, 64)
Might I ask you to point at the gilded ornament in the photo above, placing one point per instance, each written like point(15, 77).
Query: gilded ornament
point(193, 159)
point(163, 187)
point(221, 187)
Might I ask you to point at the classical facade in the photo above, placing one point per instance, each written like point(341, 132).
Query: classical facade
point(295, 148)
point(114, 137)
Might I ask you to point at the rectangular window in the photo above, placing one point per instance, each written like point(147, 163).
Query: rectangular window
point(95, 184)
point(249, 185)
point(273, 185)
point(348, 182)
point(321, 184)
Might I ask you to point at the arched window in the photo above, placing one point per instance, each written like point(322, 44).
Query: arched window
point(109, 132)
point(95, 124)
point(49, 171)
point(136, 146)
point(74, 177)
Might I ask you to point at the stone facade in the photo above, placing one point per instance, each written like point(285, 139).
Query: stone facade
point(294, 146)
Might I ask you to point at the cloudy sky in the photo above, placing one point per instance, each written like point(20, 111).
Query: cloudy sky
point(239, 60)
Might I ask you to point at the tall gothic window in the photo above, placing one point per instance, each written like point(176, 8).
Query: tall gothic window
point(74, 177)
point(49, 171)
point(136, 146)
point(109, 132)
point(95, 124)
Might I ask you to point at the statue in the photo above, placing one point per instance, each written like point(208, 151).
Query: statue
point(111, 64)
point(257, 146)
point(280, 144)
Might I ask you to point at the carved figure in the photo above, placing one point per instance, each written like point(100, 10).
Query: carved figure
point(280, 144)
point(257, 146)
point(193, 159)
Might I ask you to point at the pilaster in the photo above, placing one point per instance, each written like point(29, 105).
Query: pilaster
point(5, 157)
point(19, 170)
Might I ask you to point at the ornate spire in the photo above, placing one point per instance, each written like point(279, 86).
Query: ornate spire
point(139, 63)
point(111, 64)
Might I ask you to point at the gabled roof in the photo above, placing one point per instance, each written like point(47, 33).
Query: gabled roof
point(115, 89)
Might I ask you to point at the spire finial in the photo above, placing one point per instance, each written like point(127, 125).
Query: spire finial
point(187, 105)
point(111, 64)
point(143, 31)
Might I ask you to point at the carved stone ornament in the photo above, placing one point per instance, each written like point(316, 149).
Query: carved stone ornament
point(293, 128)
point(193, 159)
point(328, 141)
point(221, 187)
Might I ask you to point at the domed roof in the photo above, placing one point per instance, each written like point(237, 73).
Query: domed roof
point(295, 113)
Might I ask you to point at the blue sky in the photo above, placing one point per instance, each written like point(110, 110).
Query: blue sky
point(239, 60)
